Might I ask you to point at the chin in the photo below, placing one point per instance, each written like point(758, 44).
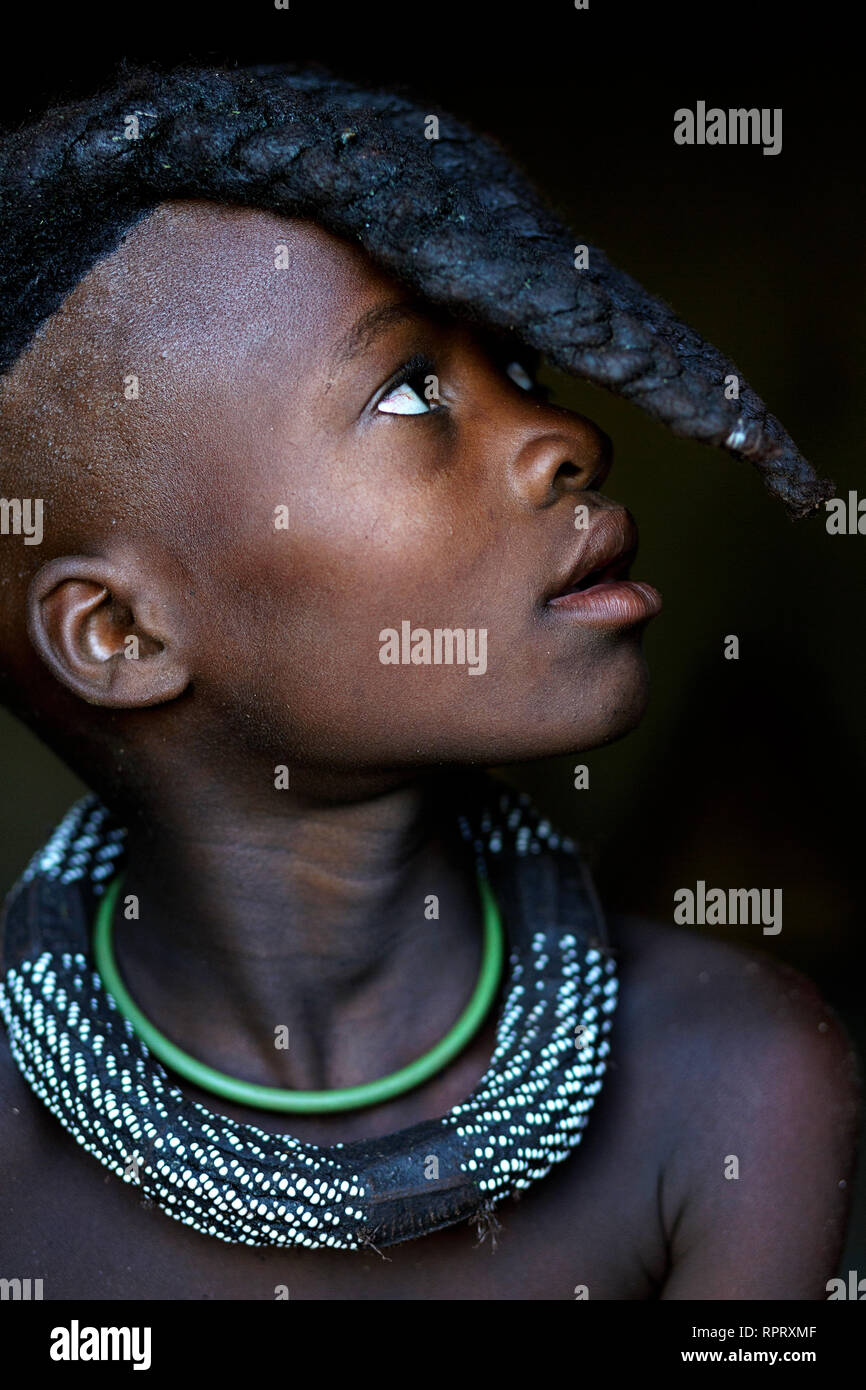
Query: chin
point(606, 709)
point(612, 711)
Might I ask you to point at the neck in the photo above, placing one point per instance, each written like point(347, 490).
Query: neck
point(307, 916)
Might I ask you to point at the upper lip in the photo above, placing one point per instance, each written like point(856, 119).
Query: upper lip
point(609, 547)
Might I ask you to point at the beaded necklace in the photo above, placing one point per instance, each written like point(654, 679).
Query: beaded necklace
point(235, 1181)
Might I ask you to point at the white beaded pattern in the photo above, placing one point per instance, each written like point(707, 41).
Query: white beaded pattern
point(237, 1182)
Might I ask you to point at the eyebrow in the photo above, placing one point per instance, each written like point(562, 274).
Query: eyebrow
point(371, 325)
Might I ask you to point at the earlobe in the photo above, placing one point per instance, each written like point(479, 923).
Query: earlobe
point(84, 619)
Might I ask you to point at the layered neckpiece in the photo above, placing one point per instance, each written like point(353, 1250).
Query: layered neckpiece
point(82, 1056)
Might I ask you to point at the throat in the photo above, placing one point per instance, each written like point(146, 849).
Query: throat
point(316, 979)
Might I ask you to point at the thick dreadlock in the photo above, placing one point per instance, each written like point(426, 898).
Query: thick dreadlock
point(451, 217)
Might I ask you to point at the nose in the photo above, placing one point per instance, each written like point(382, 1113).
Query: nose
point(572, 456)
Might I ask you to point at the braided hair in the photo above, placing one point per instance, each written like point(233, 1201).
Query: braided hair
point(451, 217)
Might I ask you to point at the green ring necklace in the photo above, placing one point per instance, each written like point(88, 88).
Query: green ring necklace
point(305, 1102)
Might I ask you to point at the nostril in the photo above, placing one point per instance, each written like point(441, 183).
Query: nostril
point(566, 472)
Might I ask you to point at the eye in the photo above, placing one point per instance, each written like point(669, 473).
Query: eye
point(519, 375)
point(403, 400)
point(414, 390)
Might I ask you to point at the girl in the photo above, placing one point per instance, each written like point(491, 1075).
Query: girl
point(298, 975)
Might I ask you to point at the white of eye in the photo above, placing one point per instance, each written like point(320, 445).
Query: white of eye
point(403, 400)
point(518, 375)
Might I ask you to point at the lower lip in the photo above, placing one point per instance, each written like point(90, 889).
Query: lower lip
point(613, 603)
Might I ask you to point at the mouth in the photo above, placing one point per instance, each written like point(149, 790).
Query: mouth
point(597, 589)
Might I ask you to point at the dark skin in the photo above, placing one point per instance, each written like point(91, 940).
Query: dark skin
point(257, 648)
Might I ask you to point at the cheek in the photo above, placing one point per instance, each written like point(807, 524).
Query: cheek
point(302, 627)
point(331, 697)
point(372, 561)
point(304, 609)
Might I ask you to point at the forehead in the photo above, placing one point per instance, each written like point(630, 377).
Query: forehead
point(222, 282)
point(216, 312)
point(219, 315)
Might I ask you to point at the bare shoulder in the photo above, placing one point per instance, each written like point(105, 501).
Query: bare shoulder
point(760, 1088)
point(21, 1153)
point(20, 1113)
point(734, 1019)
point(14, 1090)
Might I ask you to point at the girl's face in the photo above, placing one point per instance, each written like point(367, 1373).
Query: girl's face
point(339, 462)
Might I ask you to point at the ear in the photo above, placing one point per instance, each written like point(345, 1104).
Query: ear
point(101, 637)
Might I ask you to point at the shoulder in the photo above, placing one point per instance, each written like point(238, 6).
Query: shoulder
point(22, 1151)
point(18, 1105)
point(757, 1091)
point(729, 1003)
